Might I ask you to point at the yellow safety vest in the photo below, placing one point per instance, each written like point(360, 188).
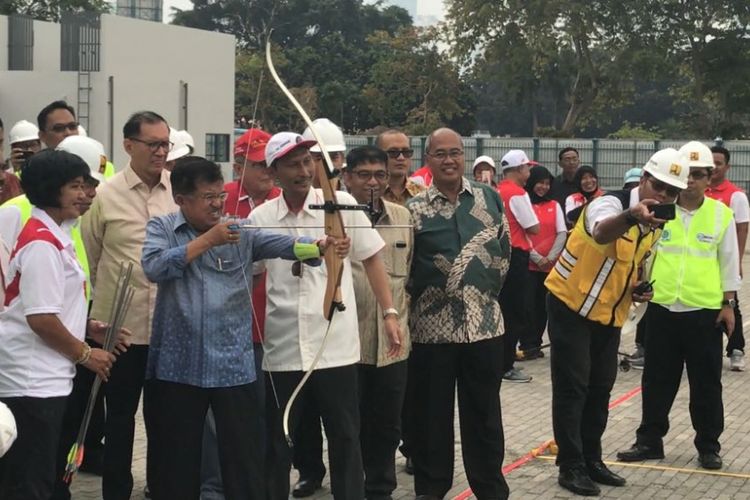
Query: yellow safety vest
point(596, 280)
point(686, 263)
point(24, 206)
point(109, 170)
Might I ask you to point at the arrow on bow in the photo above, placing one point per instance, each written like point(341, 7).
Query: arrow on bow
point(334, 226)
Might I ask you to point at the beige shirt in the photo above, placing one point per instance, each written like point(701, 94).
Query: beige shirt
point(113, 231)
point(399, 244)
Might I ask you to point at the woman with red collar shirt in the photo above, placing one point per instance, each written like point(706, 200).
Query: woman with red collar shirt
point(545, 248)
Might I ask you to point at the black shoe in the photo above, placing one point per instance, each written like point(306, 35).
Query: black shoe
point(639, 452)
point(577, 481)
point(600, 473)
point(710, 460)
point(409, 469)
point(305, 488)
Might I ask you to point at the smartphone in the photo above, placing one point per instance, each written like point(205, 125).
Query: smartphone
point(663, 211)
point(487, 176)
point(26, 154)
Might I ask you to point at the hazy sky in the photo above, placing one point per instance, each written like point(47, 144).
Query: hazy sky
point(424, 7)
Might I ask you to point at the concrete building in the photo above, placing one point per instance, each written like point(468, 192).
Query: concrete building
point(108, 67)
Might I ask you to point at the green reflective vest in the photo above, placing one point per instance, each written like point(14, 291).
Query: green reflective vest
point(24, 206)
point(686, 263)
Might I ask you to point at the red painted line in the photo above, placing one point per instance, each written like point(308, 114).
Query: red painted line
point(464, 495)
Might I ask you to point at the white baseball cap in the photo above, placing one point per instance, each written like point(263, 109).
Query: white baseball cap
point(515, 158)
point(484, 159)
point(284, 143)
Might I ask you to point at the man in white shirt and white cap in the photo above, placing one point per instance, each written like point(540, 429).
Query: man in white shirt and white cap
point(522, 221)
point(296, 328)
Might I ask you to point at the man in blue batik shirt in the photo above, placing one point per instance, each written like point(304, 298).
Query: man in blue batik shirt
point(201, 352)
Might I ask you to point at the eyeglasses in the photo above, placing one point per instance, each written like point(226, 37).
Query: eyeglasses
point(211, 197)
point(658, 185)
point(443, 155)
point(154, 146)
point(59, 128)
point(395, 153)
point(366, 175)
point(697, 175)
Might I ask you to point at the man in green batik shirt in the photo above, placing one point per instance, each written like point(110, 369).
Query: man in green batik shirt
point(461, 256)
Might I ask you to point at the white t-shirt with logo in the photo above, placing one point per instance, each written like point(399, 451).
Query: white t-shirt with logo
point(44, 277)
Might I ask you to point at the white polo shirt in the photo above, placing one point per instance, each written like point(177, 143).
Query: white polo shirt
point(295, 325)
point(44, 278)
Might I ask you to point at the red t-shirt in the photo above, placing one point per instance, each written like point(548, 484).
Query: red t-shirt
point(239, 204)
point(422, 176)
point(509, 190)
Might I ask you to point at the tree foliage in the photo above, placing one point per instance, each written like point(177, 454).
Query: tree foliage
point(361, 65)
point(51, 10)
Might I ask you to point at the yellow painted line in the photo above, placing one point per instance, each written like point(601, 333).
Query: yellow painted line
point(736, 475)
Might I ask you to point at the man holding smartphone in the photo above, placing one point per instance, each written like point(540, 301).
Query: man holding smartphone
point(602, 258)
point(24, 142)
point(696, 274)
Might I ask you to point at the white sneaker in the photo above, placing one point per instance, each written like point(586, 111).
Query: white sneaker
point(737, 361)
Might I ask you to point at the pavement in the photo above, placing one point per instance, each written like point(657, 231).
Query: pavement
point(528, 425)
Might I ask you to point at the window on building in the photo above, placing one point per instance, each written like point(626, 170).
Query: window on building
point(217, 147)
point(80, 41)
point(20, 43)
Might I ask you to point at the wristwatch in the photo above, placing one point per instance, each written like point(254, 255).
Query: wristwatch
point(390, 311)
point(729, 303)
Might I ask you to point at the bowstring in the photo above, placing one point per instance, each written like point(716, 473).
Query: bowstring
point(261, 334)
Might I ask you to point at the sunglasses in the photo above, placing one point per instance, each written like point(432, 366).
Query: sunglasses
point(658, 185)
point(395, 153)
point(697, 175)
point(59, 128)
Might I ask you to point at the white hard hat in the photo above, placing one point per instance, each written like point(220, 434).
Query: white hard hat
point(670, 166)
point(698, 154)
point(187, 139)
point(8, 431)
point(89, 150)
point(329, 133)
point(82, 131)
point(179, 148)
point(23, 131)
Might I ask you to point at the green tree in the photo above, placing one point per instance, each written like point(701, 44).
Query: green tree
point(51, 10)
point(573, 51)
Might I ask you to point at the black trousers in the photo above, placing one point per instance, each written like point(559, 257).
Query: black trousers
point(381, 394)
point(536, 303)
point(75, 408)
point(335, 389)
point(583, 364)
point(175, 421)
point(737, 339)
point(27, 471)
point(307, 454)
point(437, 370)
point(122, 394)
point(407, 412)
point(513, 302)
point(674, 340)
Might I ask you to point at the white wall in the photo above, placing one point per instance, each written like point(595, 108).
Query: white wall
point(147, 61)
